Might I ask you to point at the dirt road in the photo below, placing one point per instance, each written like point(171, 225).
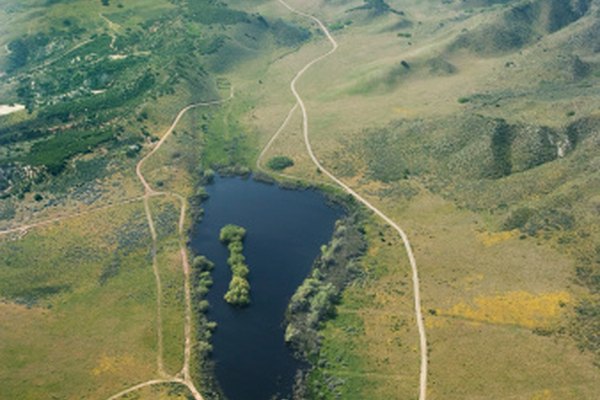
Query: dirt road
point(389, 221)
point(184, 376)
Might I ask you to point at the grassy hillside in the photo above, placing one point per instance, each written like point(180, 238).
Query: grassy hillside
point(521, 23)
point(101, 83)
point(473, 124)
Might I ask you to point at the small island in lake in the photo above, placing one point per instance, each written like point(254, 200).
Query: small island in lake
point(239, 287)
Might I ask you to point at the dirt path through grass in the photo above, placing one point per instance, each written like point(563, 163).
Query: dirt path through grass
point(112, 27)
point(389, 221)
point(184, 376)
point(22, 229)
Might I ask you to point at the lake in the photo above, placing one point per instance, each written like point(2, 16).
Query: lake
point(285, 230)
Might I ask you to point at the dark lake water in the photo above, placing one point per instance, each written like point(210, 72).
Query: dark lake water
point(285, 230)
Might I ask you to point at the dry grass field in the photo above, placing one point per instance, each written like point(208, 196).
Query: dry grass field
point(453, 117)
point(499, 304)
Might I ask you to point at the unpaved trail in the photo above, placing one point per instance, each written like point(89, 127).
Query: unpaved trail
point(187, 271)
point(140, 386)
point(184, 376)
point(155, 270)
point(24, 228)
point(113, 28)
point(389, 221)
point(55, 59)
point(148, 193)
point(275, 136)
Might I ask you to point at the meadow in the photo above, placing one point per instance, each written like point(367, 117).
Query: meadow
point(453, 142)
point(98, 93)
point(444, 115)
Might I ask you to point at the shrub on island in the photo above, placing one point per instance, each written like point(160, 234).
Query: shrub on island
point(239, 287)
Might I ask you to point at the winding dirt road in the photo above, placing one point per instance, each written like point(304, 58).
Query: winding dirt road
point(184, 376)
point(112, 28)
point(389, 221)
point(148, 193)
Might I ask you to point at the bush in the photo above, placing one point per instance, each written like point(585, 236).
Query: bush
point(518, 218)
point(279, 163)
point(232, 234)
point(201, 194)
point(287, 34)
point(202, 264)
point(387, 158)
point(377, 7)
point(239, 292)
point(586, 325)
point(19, 54)
point(208, 176)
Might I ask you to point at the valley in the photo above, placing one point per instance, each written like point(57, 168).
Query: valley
point(469, 127)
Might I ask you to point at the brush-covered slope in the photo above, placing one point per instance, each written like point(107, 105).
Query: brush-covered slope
point(475, 125)
point(521, 23)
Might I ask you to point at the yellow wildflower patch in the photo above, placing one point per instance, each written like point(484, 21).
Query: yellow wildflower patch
point(513, 308)
point(492, 238)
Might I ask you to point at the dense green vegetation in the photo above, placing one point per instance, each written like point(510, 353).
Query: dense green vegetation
point(377, 7)
point(279, 163)
point(314, 301)
point(226, 147)
point(98, 89)
point(201, 283)
point(501, 143)
point(465, 147)
point(73, 80)
point(239, 288)
point(214, 12)
point(54, 152)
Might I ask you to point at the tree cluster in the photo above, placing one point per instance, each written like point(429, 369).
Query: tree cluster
point(279, 163)
point(314, 301)
point(239, 287)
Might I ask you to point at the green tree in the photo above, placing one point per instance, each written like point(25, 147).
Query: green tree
point(239, 287)
point(279, 163)
point(232, 233)
point(239, 292)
